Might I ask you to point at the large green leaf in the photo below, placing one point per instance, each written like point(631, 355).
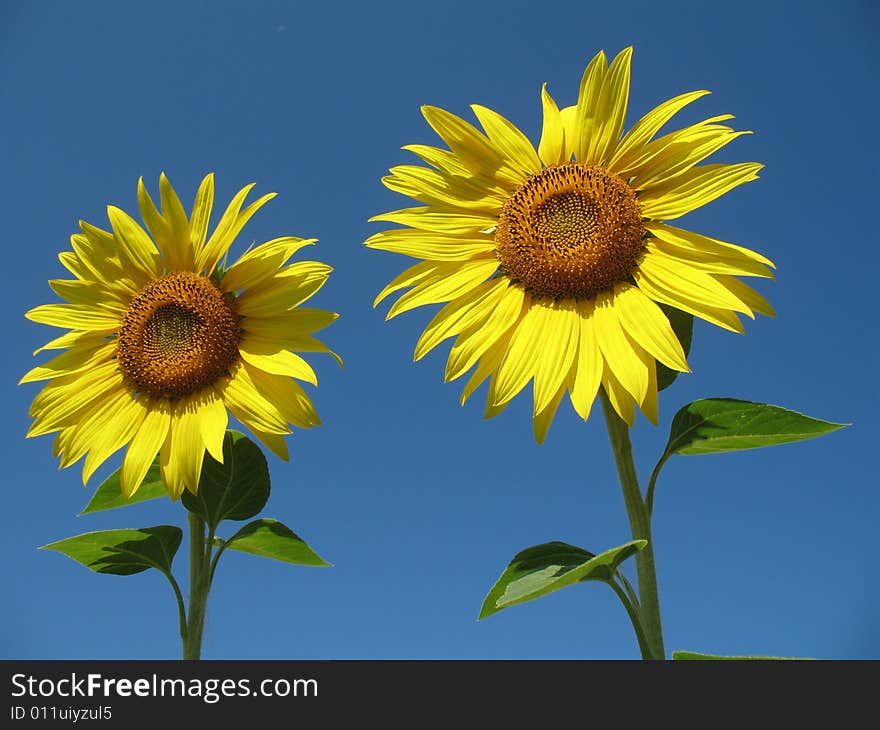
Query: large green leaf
point(683, 326)
point(271, 539)
point(237, 489)
point(542, 569)
point(109, 494)
point(695, 656)
point(123, 552)
point(716, 425)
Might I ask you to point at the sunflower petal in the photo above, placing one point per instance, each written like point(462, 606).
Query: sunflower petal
point(587, 119)
point(643, 130)
point(144, 446)
point(541, 422)
point(559, 347)
point(611, 108)
point(589, 365)
point(644, 322)
point(551, 148)
point(201, 213)
point(514, 145)
point(695, 188)
point(627, 368)
point(459, 314)
point(478, 338)
point(450, 285)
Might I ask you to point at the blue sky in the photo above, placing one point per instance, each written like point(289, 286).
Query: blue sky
point(417, 501)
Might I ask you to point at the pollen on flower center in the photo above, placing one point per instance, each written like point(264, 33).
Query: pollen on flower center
point(572, 230)
point(179, 335)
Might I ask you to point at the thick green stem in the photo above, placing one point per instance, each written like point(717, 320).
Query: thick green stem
point(640, 525)
point(199, 585)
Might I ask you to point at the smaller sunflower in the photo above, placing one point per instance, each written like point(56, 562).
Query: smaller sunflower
point(552, 261)
point(164, 339)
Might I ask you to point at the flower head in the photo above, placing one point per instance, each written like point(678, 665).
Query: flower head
point(164, 340)
point(553, 261)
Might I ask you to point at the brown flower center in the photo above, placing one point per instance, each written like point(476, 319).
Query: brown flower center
point(572, 230)
point(179, 335)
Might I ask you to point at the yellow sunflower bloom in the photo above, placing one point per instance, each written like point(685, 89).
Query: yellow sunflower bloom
point(552, 261)
point(164, 340)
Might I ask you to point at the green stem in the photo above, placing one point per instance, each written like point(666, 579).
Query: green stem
point(633, 613)
point(640, 525)
point(198, 587)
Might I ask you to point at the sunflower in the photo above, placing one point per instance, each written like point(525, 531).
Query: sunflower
point(553, 262)
point(164, 339)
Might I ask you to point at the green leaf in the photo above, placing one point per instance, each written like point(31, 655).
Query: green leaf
point(683, 326)
point(237, 489)
point(123, 552)
point(271, 539)
point(109, 494)
point(716, 425)
point(694, 656)
point(542, 569)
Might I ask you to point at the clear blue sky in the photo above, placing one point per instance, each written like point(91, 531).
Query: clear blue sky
point(417, 501)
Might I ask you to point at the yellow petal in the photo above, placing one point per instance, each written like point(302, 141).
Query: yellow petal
point(429, 219)
point(75, 316)
point(680, 160)
point(681, 300)
point(230, 225)
point(512, 143)
point(487, 365)
point(695, 188)
point(73, 361)
point(696, 284)
point(270, 355)
point(134, 242)
point(475, 150)
point(461, 313)
point(290, 325)
point(433, 246)
point(182, 253)
point(644, 322)
point(116, 426)
point(274, 442)
point(287, 289)
point(541, 422)
point(288, 396)
point(551, 148)
point(649, 404)
point(619, 396)
point(587, 110)
point(212, 420)
point(157, 225)
point(702, 244)
point(412, 276)
point(619, 355)
point(746, 294)
point(144, 446)
point(201, 212)
point(181, 462)
point(246, 403)
point(262, 262)
point(520, 360)
point(446, 286)
point(589, 365)
point(479, 337)
point(442, 190)
point(643, 130)
point(558, 343)
point(611, 110)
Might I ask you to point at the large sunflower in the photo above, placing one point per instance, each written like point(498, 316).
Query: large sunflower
point(553, 261)
point(164, 339)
